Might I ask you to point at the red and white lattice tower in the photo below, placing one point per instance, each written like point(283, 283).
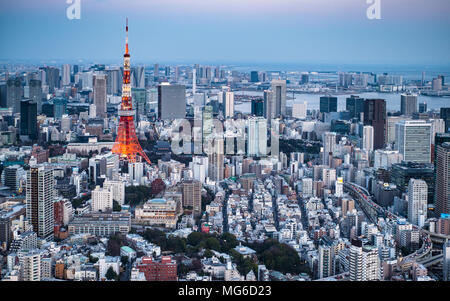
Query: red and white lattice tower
point(127, 145)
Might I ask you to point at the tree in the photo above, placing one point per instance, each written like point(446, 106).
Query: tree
point(208, 254)
point(116, 206)
point(124, 260)
point(111, 274)
point(135, 195)
point(92, 259)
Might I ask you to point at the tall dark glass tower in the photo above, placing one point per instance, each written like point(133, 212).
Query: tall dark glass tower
point(375, 115)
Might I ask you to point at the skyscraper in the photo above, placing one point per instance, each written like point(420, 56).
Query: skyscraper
point(139, 99)
point(368, 138)
point(355, 105)
point(279, 94)
point(112, 81)
point(328, 104)
point(408, 104)
point(228, 104)
point(192, 196)
point(14, 93)
point(100, 94)
point(215, 158)
point(329, 146)
point(269, 105)
point(445, 114)
point(171, 101)
point(423, 107)
point(257, 107)
point(66, 75)
point(443, 179)
point(52, 77)
point(28, 119)
point(417, 202)
point(413, 140)
point(36, 93)
point(39, 197)
point(254, 76)
point(375, 115)
point(257, 136)
point(3, 96)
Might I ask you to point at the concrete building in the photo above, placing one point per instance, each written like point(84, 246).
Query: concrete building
point(413, 141)
point(39, 198)
point(417, 202)
point(102, 200)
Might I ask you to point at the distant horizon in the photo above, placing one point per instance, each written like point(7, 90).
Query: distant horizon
point(410, 32)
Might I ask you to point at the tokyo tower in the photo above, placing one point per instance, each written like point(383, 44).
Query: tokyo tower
point(127, 145)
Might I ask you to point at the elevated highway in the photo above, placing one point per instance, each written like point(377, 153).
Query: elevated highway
point(373, 211)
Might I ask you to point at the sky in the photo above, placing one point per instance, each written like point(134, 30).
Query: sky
point(410, 32)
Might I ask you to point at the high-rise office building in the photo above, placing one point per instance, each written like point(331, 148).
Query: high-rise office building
point(417, 202)
point(139, 99)
point(257, 107)
point(367, 138)
point(413, 140)
point(445, 114)
point(328, 104)
point(3, 96)
point(408, 104)
point(28, 119)
point(156, 72)
point(192, 196)
point(228, 104)
point(171, 101)
point(52, 78)
point(66, 75)
point(423, 108)
point(401, 173)
point(14, 93)
point(35, 93)
point(345, 79)
point(279, 94)
point(375, 115)
point(304, 79)
point(254, 78)
point(113, 81)
point(100, 94)
point(355, 106)
point(269, 105)
point(257, 136)
point(329, 146)
point(443, 179)
point(59, 107)
point(39, 197)
point(138, 77)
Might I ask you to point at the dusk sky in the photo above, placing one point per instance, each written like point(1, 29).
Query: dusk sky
point(411, 32)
